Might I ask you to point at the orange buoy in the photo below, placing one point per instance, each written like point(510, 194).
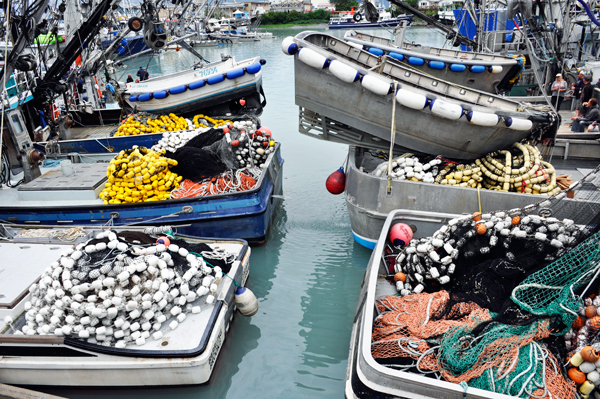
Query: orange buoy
point(516, 220)
point(589, 354)
point(477, 216)
point(577, 376)
point(578, 323)
point(591, 311)
point(164, 240)
point(480, 228)
point(336, 182)
point(400, 277)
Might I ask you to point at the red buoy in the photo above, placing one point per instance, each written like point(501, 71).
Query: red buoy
point(164, 240)
point(401, 234)
point(243, 102)
point(225, 129)
point(263, 131)
point(336, 182)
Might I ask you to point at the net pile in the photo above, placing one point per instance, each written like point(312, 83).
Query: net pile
point(520, 169)
point(515, 281)
point(225, 183)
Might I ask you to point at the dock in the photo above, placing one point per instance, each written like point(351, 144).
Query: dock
point(12, 392)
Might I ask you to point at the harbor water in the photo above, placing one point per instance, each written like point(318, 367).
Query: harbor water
point(306, 278)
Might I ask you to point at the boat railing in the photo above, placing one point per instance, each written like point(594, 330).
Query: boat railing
point(505, 41)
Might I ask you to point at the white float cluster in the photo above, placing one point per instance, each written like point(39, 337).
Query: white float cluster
point(124, 300)
point(410, 168)
point(171, 141)
point(433, 258)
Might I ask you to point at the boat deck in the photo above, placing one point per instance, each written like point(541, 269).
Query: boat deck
point(90, 132)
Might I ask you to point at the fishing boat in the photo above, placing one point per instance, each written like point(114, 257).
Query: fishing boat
point(217, 86)
point(489, 72)
point(71, 196)
point(181, 348)
point(370, 91)
point(400, 342)
point(426, 206)
point(356, 20)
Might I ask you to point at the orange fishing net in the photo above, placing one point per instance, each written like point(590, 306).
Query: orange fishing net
point(436, 334)
point(227, 182)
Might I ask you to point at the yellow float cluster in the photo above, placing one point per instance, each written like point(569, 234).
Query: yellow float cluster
point(135, 125)
point(139, 175)
point(214, 122)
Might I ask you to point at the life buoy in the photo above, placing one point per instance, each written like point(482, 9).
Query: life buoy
point(98, 88)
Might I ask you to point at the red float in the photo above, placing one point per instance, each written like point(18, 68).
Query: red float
point(401, 234)
point(336, 182)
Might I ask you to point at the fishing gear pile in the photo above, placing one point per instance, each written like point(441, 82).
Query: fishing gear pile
point(520, 169)
point(225, 183)
point(203, 121)
point(495, 300)
point(139, 175)
point(143, 123)
point(113, 293)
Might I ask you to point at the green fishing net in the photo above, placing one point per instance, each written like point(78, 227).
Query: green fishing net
point(553, 290)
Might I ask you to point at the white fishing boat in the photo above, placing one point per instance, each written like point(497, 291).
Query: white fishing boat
point(148, 346)
point(357, 19)
point(218, 86)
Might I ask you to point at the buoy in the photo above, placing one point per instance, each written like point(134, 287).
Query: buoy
point(160, 94)
point(397, 56)
point(264, 131)
point(242, 102)
point(255, 67)
point(439, 65)
point(445, 109)
point(417, 61)
point(458, 67)
point(246, 301)
point(196, 85)
point(312, 58)
point(495, 69)
point(477, 68)
point(376, 85)
point(164, 240)
point(336, 182)
point(343, 72)
point(288, 46)
point(401, 234)
point(410, 99)
point(177, 89)
point(215, 79)
point(235, 73)
point(482, 118)
point(133, 98)
point(518, 124)
point(145, 97)
point(376, 51)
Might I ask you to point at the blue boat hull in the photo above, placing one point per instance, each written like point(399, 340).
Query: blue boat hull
point(244, 215)
point(133, 46)
point(382, 24)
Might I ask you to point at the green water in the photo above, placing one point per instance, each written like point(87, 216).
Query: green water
point(306, 277)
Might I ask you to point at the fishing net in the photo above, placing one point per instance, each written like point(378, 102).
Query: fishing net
point(225, 183)
point(520, 273)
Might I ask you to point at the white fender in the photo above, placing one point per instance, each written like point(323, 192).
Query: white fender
point(312, 58)
point(375, 85)
point(289, 46)
point(343, 72)
point(445, 110)
point(518, 123)
point(495, 69)
point(482, 118)
point(411, 99)
point(355, 45)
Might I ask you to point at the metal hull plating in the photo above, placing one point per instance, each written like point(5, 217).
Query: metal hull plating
point(320, 91)
point(424, 205)
point(244, 215)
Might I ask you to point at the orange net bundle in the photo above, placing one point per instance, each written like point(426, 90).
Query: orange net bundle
point(433, 334)
point(227, 182)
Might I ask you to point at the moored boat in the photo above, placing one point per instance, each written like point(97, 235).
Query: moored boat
point(216, 87)
point(67, 347)
point(489, 72)
point(358, 88)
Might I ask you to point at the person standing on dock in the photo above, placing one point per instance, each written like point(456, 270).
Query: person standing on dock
point(559, 87)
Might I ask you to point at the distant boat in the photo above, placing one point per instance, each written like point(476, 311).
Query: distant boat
point(356, 20)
